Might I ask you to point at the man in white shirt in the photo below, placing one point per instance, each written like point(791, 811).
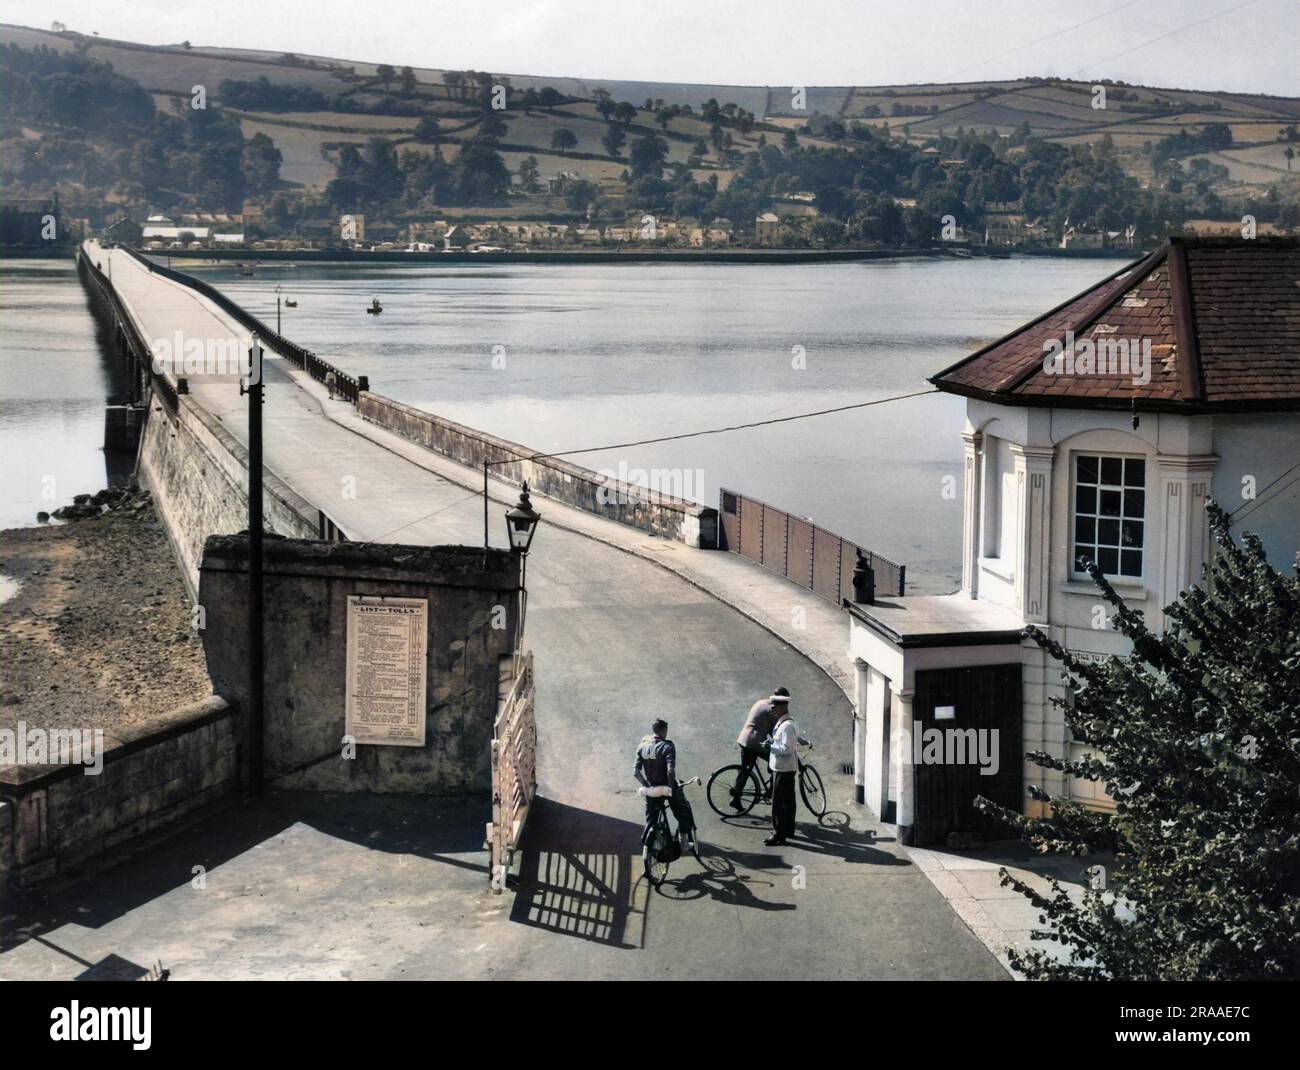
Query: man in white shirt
point(784, 761)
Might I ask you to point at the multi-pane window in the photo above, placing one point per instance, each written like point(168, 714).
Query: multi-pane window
point(1109, 513)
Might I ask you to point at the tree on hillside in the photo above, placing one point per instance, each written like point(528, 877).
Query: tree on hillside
point(427, 130)
point(613, 139)
point(647, 155)
point(385, 73)
point(564, 139)
point(580, 195)
point(491, 127)
point(1196, 735)
point(624, 112)
point(262, 162)
point(528, 171)
point(605, 106)
point(549, 97)
point(408, 81)
point(478, 176)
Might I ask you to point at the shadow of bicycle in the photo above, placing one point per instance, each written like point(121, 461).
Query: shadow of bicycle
point(717, 878)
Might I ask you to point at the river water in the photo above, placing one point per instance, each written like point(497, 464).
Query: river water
point(569, 357)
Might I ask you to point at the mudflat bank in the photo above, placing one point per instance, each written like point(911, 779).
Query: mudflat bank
point(96, 626)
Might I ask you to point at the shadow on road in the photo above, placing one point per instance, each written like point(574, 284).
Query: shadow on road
point(577, 873)
point(448, 831)
point(835, 839)
point(720, 880)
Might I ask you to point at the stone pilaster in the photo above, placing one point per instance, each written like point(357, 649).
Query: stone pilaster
point(1183, 487)
point(904, 773)
point(973, 476)
point(861, 710)
point(1033, 469)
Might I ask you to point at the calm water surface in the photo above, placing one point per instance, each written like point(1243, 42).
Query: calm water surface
point(568, 357)
point(54, 383)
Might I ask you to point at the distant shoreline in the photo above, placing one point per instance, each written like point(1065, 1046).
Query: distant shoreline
point(608, 256)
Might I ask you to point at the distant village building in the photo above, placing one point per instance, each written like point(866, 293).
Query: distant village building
point(1190, 389)
point(767, 229)
point(1008, 227)
point(428, 231)
point(558, 183)
point(155, 232)
point(457, 238)
point(124, 230)
point(718, 232)
point(1074, 238)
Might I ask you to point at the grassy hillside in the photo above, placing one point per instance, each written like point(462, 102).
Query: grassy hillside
point(310, 140)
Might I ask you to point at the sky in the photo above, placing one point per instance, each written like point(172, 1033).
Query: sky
point(1236, 45)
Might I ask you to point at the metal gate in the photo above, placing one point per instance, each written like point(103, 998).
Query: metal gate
point(983, 698)
point(514, 768)
point(799, 550)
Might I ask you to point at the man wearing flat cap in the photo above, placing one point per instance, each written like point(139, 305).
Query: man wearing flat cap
point(753, 739)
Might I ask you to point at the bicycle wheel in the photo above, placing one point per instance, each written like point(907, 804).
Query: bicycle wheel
point(812, 789)
point(733, 784)
point(653, 851)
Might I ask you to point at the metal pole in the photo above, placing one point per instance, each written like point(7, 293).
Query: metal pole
point(256, 653)
point(485, 512)
point(277, 314)
point(523, 603)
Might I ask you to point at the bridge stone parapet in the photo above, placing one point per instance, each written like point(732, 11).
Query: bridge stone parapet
point(647, 509)
point(627, 503)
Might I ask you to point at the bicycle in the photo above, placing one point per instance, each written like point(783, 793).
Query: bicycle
point(747, 786)
point(660, 846)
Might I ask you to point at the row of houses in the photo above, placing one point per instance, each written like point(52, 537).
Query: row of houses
point(183, 231)
point(639, 230)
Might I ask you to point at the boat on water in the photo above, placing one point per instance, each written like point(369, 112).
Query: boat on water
point(289, 302)
point(375, 307)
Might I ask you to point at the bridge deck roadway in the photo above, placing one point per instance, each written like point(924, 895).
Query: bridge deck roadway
point(386, 889)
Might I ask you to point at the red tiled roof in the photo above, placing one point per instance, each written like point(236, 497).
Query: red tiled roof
point(1221, 315)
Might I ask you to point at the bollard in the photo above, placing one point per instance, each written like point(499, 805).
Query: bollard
point(864, 581)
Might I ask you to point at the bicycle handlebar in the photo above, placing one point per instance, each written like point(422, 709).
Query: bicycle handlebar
point(663, 791)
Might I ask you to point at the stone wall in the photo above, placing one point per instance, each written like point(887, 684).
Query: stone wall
point(472, 607)
point(571, 484)
point(61, 819)
point(198, 474)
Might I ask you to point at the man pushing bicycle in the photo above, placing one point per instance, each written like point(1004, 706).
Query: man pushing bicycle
point(753, 736)
point(656, 767)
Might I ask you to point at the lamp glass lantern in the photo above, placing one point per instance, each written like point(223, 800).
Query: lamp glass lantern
point(521, 523)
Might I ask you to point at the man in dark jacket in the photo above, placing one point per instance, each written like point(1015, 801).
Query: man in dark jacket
point(656, 766)
point(753, 737)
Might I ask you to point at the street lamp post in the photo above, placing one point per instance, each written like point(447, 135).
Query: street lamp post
point(277, 311)
point(521, 526)
point(256, 653)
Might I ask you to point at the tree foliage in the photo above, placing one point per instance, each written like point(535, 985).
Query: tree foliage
point(1196, 734)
